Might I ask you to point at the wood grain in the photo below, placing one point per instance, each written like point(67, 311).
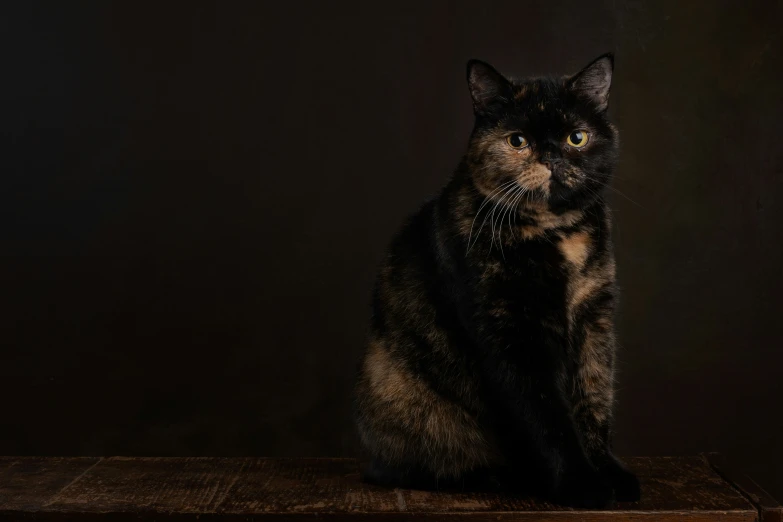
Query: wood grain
point(181, 485)
point(26, 483)
point(770, 510)
point(123, 488)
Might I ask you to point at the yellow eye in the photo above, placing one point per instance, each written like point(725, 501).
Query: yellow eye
point(578, 138)
point(517, 141)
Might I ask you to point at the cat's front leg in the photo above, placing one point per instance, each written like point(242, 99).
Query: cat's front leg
point(593, 402)
point(624, 481)
point(539, 439)
point(533, 421)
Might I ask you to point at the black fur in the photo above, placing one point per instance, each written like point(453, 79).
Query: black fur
point(491, 356)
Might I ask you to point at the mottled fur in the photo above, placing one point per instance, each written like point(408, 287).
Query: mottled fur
point(491, 358)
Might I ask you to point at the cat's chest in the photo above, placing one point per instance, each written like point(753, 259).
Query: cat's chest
point(529, 277)
point(587, 268)
point(551, 275)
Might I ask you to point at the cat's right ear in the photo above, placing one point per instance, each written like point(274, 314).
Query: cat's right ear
point(593, 82)
point(487, 86)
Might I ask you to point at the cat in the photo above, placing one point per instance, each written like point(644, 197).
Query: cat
point(491, 353)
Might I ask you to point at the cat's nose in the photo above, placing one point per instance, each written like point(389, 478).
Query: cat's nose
point(550, 163)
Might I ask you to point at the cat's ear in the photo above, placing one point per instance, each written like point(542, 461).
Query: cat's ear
point(487, 86)
point(593, 82)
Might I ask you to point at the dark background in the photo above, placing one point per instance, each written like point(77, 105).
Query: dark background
point(194, 198)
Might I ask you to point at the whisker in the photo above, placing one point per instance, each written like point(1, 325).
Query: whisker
point(626, 197)
point(515, 211)
point(487, 199)
point(593, 192)
point(509, 207)
point(617, 191)
point(598, 197)
point(503, 206)
point(500, 204)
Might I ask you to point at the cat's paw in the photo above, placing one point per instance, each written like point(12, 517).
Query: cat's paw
point(625, 484)
point(585, 490)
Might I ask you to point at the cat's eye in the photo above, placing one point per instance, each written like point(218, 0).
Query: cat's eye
point(517, 141)
point(578, 138)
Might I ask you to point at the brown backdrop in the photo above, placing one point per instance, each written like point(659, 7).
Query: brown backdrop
point(194, 198)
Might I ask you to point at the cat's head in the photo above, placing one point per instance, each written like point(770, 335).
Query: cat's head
point(546, 138)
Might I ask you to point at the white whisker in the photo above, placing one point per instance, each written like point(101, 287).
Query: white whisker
point(483, 204)
point(507, 211)
point(492, 221)
point(515, 211)
point(626, 197)
point(616, 190)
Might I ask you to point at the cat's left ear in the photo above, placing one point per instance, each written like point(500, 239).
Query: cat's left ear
point(593, 82)
point(487, 86)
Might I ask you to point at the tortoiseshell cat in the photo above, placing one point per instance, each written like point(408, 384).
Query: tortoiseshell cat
point(492, 340)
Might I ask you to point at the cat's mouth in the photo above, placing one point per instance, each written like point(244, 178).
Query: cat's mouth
point(536, 179)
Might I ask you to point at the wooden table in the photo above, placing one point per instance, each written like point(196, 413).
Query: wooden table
point(125, 488)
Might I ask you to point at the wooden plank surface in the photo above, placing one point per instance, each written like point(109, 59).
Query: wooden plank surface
point(770, 510)
point(26, 483)
point(123, 488)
